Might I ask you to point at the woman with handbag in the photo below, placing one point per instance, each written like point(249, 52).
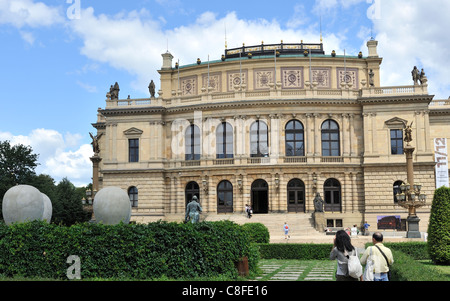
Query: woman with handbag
point(381, 256)
point(342, 251)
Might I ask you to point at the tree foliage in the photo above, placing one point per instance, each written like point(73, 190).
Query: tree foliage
point(439, 227)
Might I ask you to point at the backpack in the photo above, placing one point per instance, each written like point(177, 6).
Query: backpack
point(354, 265)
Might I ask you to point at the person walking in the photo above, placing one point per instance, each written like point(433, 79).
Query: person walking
point(342, 250)
point(366, 229)
point(381, 256)
point(286, 231)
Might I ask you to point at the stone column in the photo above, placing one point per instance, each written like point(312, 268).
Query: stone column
point(95, 163)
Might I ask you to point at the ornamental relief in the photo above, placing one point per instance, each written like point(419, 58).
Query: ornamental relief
point(189, 86)
point(348, 75)
point(214, 82)
point(292, 78)
point(234, 79)
point(263, 78)
point(322, 76)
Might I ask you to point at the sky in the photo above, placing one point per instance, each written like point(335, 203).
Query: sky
point(58, 58)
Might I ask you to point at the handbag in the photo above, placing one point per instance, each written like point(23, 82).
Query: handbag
point(389, 272)
point(368, 271)
point(354, 266)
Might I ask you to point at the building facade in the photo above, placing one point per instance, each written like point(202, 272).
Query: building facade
point(271, 126)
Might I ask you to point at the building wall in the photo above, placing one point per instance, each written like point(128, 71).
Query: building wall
point(365, 169)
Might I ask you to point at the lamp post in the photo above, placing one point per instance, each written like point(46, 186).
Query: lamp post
point(410, 197)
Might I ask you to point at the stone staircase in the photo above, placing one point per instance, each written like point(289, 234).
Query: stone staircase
point(300, 224)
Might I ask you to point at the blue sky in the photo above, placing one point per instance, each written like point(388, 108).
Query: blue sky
point(59, 57)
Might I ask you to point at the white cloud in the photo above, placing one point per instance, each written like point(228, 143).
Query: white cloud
point(59, 155)
point(414, 34)
point(20, 13)
point(134, 42)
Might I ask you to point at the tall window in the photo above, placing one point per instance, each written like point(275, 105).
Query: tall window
point(259, 139)
point(133, 195)
point(224, 141)
point(224, 197)
point(295, 141)
point(332, 192)
point(330, 138)
point(133, 150)
point(396, 142)
point(192, 141)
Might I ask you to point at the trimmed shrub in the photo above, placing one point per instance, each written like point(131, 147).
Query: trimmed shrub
point(125, 251)
point(406, 268)
point(295, 251)
point(257, 232)
point(439, 227)
point(417, 250)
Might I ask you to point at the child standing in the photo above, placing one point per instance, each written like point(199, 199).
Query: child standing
point(286, 231)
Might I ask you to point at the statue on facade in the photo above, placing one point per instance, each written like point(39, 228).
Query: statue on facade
point(422, 77)
point(151, 89)
point(95, 144)
point(371, 81)
point(415, 75)
point(318, 203)
point(193, 210)
point(408, 133)
point(114, 91)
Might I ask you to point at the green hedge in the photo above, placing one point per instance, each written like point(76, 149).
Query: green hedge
point(295, 251)
point(417, 250)
point(406, 268)
point(133, 251)
point(258, 232)
point(439, 227)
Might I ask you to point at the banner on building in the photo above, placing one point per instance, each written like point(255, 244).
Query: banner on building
point(441, 159)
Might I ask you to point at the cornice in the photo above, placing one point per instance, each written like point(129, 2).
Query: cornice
point(396, 99)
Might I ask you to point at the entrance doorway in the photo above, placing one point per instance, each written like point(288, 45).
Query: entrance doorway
point(260, 196)
point(192, 189)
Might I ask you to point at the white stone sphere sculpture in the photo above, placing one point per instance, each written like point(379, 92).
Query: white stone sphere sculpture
point(112, 206)
point(22, 203)
point(48, 208)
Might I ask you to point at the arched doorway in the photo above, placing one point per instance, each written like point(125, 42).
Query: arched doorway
point(224, 197)
point(296, 195)
point(192, 189)
point(260, 196)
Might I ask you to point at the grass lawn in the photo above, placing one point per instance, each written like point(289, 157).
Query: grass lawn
point(443, 268)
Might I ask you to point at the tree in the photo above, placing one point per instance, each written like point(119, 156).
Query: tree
point(68, 208)
point(439, 227)
point(17, 166)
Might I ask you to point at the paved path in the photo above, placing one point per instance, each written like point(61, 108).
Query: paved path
point(298, 271)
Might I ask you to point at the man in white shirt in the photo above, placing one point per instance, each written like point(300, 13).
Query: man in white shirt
point(381, 262)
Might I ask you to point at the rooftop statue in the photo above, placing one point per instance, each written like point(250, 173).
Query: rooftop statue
point(151, 89)
point(415, 75)
point(114, 91)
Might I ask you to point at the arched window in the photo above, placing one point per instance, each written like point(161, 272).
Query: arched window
point(397, 189)
point(133, 195)
point(192, 141)
point(330, 138)
point(295, 138)
point(224, 197)
point(296, 195)
point(259, 146)
point(192, 189)
point(332, 193)
point(224, 141)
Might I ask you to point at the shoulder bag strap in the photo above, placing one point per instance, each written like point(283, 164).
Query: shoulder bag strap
point(383, 255)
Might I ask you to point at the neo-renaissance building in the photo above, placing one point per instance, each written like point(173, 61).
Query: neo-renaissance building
point(271, 126)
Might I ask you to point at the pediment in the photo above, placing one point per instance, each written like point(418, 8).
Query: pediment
point(396, 121)
point(133, 132)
